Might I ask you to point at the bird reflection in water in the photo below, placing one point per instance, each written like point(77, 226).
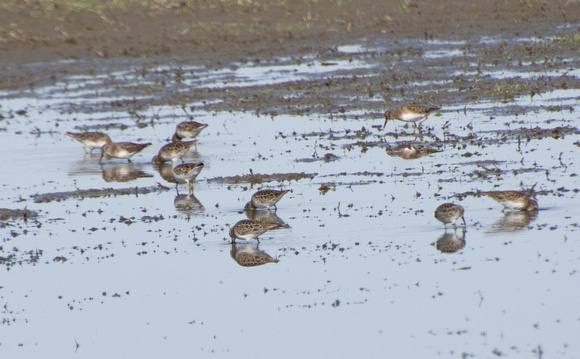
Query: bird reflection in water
point(165, 171)
point(122, 172)
point(450, 242)
point(514, 221)
point(410, 152)
point(92, 157)
point(249, 255)
point(266, 217)
point(183, 202)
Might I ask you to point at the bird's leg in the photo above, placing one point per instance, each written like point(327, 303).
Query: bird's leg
point(420, 122)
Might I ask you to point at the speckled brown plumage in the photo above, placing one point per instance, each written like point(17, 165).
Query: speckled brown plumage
point(250, 229)
point(123, 150)
point(448, 213)
point(172, 151)
point(410, 112)
point(265, 199)
point(187, 130)
point(515, 200)
point(187, 172)
point(91, 140)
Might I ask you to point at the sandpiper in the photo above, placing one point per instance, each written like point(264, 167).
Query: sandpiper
point(514, 200)
point(449, 213)
point(172, 152)
point(265, 199)
point(409, 113)
point(123, 150)
point(91, 140)
point(249, 255)
point(187, 172)
point(250, 229)
point(187, 130)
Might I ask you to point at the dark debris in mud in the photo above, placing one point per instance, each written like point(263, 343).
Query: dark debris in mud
point(9, 214)
point(257, 178)
point(427, 143)
point(497, 72)
point(95, 193)
point(14, 256)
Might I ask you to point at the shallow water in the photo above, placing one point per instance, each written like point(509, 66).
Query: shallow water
point(360, 271)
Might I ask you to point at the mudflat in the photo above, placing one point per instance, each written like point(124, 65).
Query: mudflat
point(41, 31)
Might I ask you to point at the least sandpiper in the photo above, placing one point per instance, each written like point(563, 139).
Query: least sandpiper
point(123, 150)
point(249, 255)
point(409, 113)
point(187, 130)
point(265, 199)
point(448, 213)
point(514, 200)
point(91, 140)
point(187, 172)
point(250, 229)
point(172, 151)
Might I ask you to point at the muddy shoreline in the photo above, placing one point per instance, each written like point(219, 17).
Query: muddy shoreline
point(228, 31)
point(101, 254)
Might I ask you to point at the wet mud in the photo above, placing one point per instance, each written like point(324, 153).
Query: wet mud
point(294, 96)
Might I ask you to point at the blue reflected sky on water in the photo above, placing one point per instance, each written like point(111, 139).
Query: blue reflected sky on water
point(359, 271)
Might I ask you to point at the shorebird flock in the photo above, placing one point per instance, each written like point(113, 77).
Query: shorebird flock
point(182, 141)
point(449, 213)
point(257, 224)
